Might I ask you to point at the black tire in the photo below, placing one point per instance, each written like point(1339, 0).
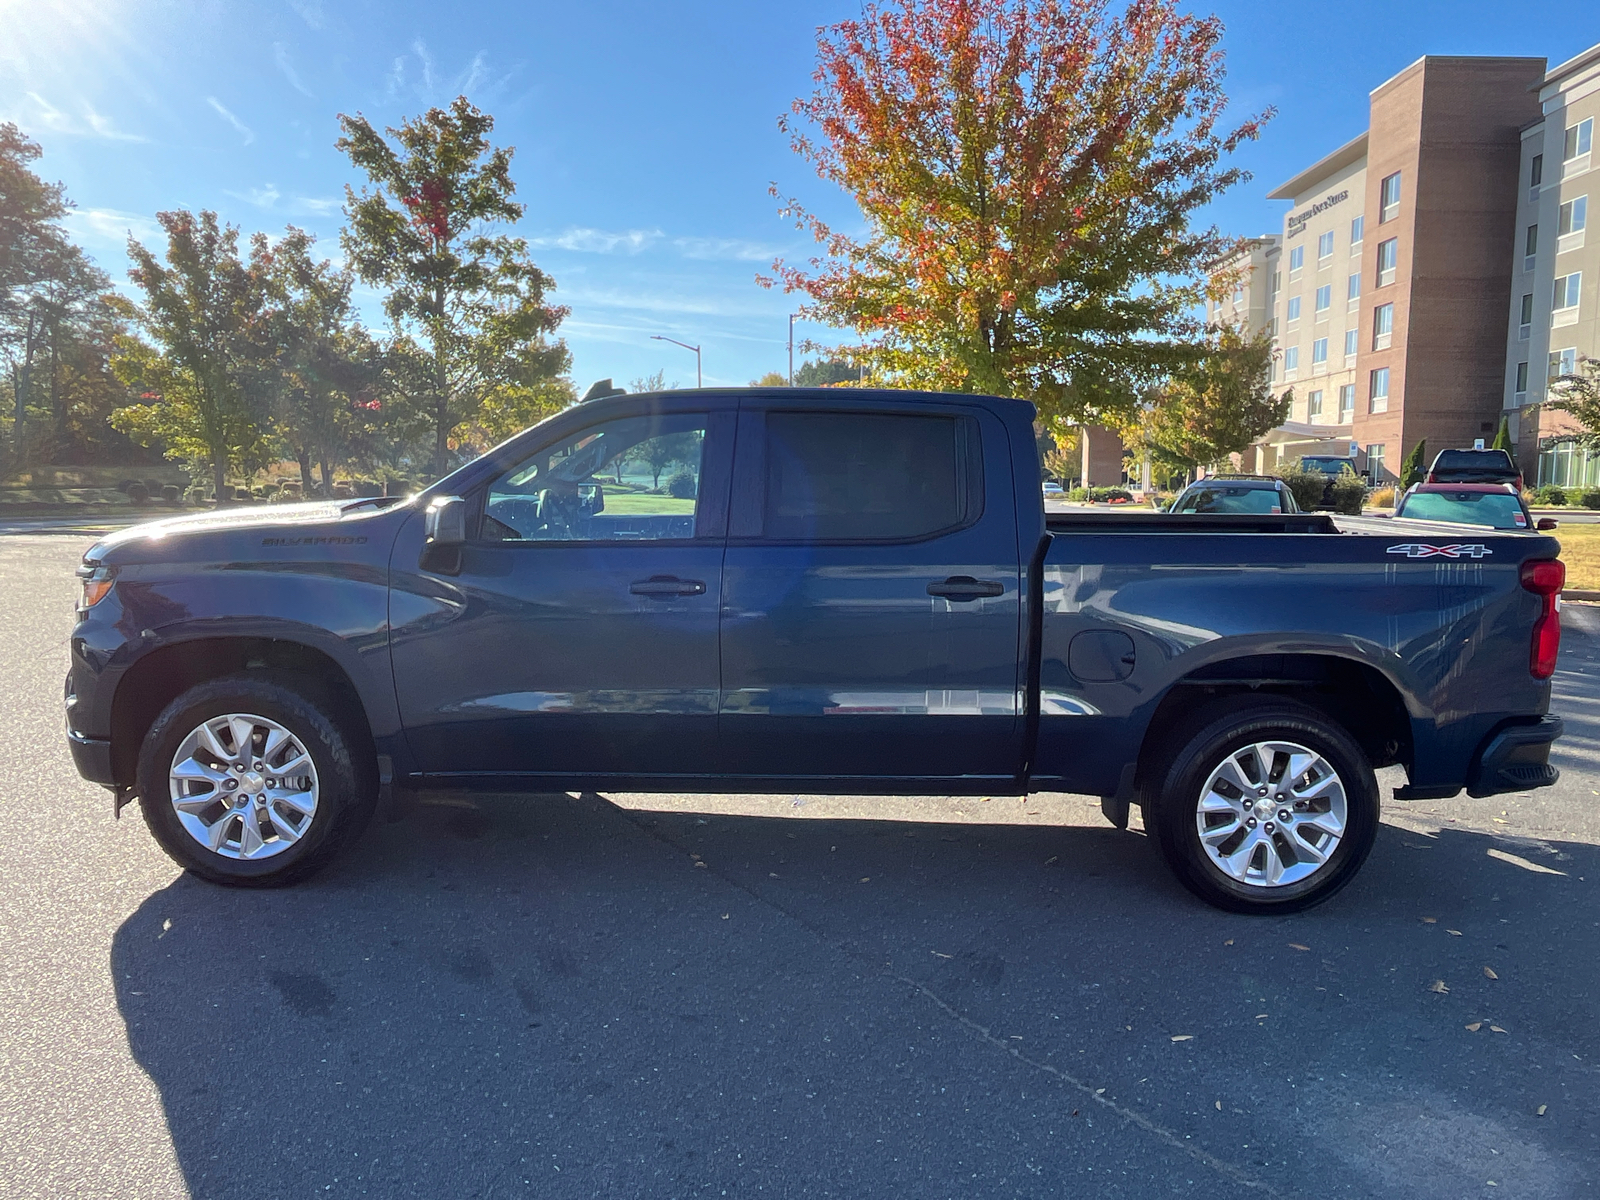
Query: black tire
point(1174, 794)
point(346, 784)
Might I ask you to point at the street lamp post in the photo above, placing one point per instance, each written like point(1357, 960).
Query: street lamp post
point(656, 337)
point(791, 348)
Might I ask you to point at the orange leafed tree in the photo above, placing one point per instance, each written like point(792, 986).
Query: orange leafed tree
point(1028, 171)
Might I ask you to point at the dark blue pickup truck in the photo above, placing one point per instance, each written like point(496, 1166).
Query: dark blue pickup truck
point(836, 590)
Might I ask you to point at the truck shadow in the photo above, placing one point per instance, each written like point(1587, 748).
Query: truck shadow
point(556, 997)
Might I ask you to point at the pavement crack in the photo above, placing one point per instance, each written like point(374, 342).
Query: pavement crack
point(1230, 1171)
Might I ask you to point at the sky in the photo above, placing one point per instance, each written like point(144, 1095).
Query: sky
point(646, 133)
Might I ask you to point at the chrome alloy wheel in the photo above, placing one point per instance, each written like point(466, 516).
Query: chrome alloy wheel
point(1271, 814)
point(243, 786)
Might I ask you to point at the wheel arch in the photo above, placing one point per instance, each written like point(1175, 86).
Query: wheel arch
point(155, 679)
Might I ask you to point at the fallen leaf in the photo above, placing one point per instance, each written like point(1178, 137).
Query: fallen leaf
point(1539, 1112)
point(699, 864)
point(773, 875)
point(1183, 1037)
point(1298, 946)
point(1051, 859)
point(1453, 932)
point(1499, 821)
point(1488, 973)
point(1074, 1112)
point(1438, 986)
point(1261, 1016)
point(1219, 1105)
point(866, 879)
point(1099, 1091)
point(1430, 920)
point(725, 916)
point(936, 954)
point(1229, 942)
point(1474, 1027)
point(1496, 1029)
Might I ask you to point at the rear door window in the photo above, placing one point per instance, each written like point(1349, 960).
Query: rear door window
point(865, 477)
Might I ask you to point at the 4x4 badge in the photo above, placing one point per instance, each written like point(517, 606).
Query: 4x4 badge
point(1454, 550)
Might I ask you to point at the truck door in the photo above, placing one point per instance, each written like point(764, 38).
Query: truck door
point(871, 607)
point(580, 636)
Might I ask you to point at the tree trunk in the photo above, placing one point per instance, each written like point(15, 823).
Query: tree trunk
point(57, 417)
point(219, 480)
point(307, 486)
point(327, 479)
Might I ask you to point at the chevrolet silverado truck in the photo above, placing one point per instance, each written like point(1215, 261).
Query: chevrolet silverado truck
point(841, 591)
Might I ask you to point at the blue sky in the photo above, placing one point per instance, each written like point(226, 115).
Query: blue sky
point(646, 133)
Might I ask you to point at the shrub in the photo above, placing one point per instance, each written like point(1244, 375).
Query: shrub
point(1078, 495)
point(681, 486)
point(1104, 495)
point(1382, 498)
point(138, 493)
point(1307, 487)
point(1349, 493)
point(1591, 498)
point(1550, 496)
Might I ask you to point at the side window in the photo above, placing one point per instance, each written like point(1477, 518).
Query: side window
point(869, 476)
point(633, 479)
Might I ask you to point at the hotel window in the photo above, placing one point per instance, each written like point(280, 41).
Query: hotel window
point(1325, 297)
point(1357, 227)
point(1578, 140)
point(1347, 402)
point(1277, 282)
point(1536, 171)
point(1313, 405)
point(1238, 295)
point(1566, 291)
point(1291, 359)
point(1382, 326)
point(1375, 457)
point(1294, 308)
point(1522, 382)
point(1325, 246)
point(1530, 247)
point(1563, 362)
point(1525, 325)
point(1388, 257)
point(1350, 338)
point(1352, 291)
point(1572, 217)
point(1297, 259)
point(1389, 198)
point(1378, 391)
point(1319, 352)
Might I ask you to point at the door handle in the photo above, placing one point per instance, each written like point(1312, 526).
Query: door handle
point(961, 588)
point(667, 585)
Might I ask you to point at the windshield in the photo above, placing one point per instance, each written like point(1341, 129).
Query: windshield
point(1328, 466)
point(1473, 466)
point(1218, 498)
point(1496, 510)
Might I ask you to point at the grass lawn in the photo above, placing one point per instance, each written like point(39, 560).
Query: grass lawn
point(640, 504)
point(1580, 550)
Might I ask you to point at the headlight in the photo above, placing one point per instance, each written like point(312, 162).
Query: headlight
point(96, 583)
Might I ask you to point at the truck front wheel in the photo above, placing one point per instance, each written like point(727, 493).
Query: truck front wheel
point(248, 781)
point(1269, 807)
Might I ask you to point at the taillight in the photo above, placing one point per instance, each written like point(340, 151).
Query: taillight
point(1544, 578)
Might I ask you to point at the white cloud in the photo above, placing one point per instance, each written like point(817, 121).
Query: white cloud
point(735, 249)
point(599, 241)
point(261, 197)
point(103, 127)
point(310, 12)
point(47, 116)
point(319, 205)
point(110, 225)
point(280, 55)
point(396, 78)
point(244, 130)
point(420, 49)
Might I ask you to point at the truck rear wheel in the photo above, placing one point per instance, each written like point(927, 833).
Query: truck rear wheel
point(247, 781)
point(1269, 807)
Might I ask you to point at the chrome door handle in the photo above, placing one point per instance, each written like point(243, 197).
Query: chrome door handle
point(961, 588)
point(667, 585)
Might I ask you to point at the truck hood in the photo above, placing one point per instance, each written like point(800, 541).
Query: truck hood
point(156, 538)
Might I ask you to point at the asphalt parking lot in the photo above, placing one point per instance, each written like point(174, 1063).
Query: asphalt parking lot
point(789, 996)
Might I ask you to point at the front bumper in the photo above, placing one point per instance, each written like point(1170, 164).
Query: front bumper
point(1515, 759)
point(92, 757)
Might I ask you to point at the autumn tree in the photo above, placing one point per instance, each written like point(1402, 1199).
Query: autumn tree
point(828, 371)
point(1578, 395)
point(471, 325)
point(1027, 171)
point(1215, 407)
point(193, 366)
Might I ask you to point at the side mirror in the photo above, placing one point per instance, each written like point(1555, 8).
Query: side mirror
point(444, 524)
point(1546, 523)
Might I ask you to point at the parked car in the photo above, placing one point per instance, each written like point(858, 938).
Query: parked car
point(1051, 488)
point(1333, 467)
point(1474, 466)
point(831, 602)
point(1236, 494)
point(1495, 505)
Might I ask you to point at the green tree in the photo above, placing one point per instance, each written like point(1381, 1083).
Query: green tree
point(1216, 407)
point(1027, 171)
point(1502, 438)
point(466, 302)
point(827, 371)
point(195, 364)
point(1415, 465)
point(771, 379)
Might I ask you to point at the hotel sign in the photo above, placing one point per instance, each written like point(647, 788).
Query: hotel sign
point(1297, 221)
